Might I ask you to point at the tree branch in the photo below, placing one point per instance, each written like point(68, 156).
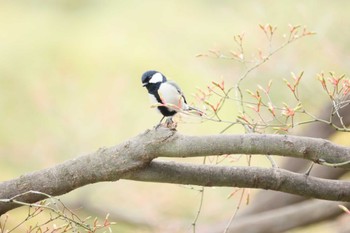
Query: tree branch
point(270, 200)
point(110, 164)
point(106, 164)
point(313, 149)
point(243, 177)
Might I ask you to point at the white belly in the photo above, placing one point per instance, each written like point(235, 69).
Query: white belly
point(170, 97)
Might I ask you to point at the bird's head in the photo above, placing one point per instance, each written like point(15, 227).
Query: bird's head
point(152, 77)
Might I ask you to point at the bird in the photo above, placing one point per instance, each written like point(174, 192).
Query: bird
point(166, 95)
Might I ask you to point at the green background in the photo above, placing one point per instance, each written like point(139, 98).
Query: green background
point(70, 83)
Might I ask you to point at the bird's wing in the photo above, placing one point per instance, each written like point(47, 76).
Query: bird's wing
point(195, 110)
point(178, 89)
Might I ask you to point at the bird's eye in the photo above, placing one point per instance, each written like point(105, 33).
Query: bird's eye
point(147, 80)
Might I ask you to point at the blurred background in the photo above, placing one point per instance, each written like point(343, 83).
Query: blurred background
point(70, 83)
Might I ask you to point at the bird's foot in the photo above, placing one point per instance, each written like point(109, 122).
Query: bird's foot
point(157, 126)
point(170, 124)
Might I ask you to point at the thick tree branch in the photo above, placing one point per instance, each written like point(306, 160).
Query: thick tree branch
point(110, 164)
point(313, 149)
point(320, 130)
point(243, 177)
point(270, 200)
point(106, 164)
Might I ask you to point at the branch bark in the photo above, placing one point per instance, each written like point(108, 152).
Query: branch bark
point(111, 164)
point(267, 200)
point(106, 164)
point(243, 177)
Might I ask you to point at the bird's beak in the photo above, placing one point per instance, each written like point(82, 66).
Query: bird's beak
point(144, 84)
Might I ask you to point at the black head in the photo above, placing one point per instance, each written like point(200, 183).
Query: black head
point(152, 77)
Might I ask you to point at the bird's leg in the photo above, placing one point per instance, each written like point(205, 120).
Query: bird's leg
point(169, 123)
point(160, 122)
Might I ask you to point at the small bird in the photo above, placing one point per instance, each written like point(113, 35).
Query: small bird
point(166, 94)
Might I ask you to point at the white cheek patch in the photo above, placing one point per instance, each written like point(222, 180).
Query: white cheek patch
point(156, 78)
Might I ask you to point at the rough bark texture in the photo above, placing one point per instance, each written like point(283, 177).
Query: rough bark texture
point(110, 164)
point(106, 164)
point(269, 200)
point(243, 177)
